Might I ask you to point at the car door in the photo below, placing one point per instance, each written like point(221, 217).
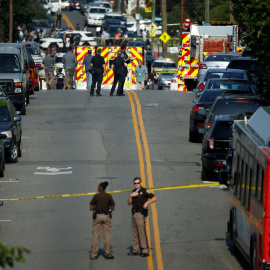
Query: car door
point(16, 125)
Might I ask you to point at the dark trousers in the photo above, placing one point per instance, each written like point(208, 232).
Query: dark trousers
point(96, 78)
point(118, 77)
point(58, 21)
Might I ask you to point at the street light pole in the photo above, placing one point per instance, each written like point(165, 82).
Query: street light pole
point(181, 22)
point(10, 20)
point(138, 18)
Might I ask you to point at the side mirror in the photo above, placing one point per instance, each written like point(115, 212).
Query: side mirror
point(202, 112)
point(17, 119)
point(196, 90)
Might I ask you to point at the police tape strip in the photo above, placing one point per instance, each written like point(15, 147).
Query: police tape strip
point(113, 192)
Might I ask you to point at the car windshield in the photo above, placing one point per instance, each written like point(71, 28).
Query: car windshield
point(107, 5)
point(235, 107)
point(97, 10)
point(164, 64)
point(247, 65)
point(219, 58)
point(110, 22)
point(121, 18)
point(58, 35)
point(4, 115)
point(222, 129)
point(223, 74)
point(228, 85)
point(9, 63)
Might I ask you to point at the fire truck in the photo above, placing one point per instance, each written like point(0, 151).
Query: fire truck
point(199, 41)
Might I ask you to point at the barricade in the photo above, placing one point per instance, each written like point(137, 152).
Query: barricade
point(108, 53)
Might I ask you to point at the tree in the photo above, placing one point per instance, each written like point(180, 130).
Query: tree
point(253, 16)
point(10, 255)
point(24, 11)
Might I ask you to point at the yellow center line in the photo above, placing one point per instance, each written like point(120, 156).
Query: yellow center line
point(65, 17)
point(150, 183)
point(142, 171)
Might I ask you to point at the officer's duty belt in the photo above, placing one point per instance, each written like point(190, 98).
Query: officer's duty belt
point(106, 212)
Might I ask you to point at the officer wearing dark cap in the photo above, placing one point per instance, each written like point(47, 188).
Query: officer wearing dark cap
point(119, 76)
point(139, 198)
point(98, 65)
point(127, 61)
point(102, 204)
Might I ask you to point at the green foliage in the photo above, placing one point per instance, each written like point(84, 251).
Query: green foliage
point(10, 255)
point(24, 11)
point(254, 17)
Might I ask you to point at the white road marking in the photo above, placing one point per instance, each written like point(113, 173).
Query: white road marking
point(11, 181)
point(5, 220)
point(53, 171)
point(25, 137)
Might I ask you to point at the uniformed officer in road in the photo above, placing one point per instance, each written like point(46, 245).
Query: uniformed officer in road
point(119, 76)
point(140, 199)
point(98, 65)
point(127, 61)
point(101, 204)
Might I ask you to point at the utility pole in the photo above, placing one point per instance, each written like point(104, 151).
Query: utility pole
point(115, 5)
point(181, 21)
point(164, 26)
point(10, 20)
point(153, 10)
point(206, 10)
point(138, 18)
point(231, 15)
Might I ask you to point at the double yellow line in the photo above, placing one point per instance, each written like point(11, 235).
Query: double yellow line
point(139, 129)
point(65, 17)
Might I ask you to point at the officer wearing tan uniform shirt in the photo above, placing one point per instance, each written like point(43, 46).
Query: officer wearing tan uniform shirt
point(139, 199)
point(102, 204)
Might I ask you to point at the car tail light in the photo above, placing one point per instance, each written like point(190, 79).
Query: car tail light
point(210, 142)
point(72, 3)
point(201, 86)
point(208, 125)
point(242, 100)
point(173, 81)
point(197, 108)
point(202, 66)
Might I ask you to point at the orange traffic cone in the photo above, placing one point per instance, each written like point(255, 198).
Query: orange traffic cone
point(156, 54)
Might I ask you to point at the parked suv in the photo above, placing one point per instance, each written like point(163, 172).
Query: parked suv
point(234, 105)
point(10, 125)
point(14, 77)
point(216, 145)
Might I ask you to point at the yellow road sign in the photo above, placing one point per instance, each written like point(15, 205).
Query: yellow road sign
point(164, 37)
point(152, 27)
point(148, 9)
point(152, 34)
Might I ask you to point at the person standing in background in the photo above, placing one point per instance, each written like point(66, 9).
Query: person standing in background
point(87, 66)
point(58, 17)
point(48, 63)
point(141, 75)
point(70, 62)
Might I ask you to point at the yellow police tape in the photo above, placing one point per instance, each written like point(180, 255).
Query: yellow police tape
point(112, 192)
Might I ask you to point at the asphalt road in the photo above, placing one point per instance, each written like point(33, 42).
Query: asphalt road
point(90, 140)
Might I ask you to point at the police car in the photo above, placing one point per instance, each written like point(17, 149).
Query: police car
point(86, 39)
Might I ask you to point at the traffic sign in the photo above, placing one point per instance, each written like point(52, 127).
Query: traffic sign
point(152, 27)
point(165, 37)
point(152, 34)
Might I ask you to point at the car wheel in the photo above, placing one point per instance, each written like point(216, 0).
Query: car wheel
point(23, 109)
point(27, 99)
point(13, 153)
point(206, 174)
point(192, 137)
point(159, 87)
point(2, 168)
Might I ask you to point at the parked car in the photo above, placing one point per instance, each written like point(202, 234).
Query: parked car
point(117, 16)
point(33, 75)
point(132, 26)
point(160, 64)
point(59, 60)
point(205, 101)
point(65, 4)
point(220, 73)
point(2, 154)
point(106, 5)
point(75, 5)
point(164, 80)
point(14, 76)
point(33, 45)
point(10, 126)
point(107, 23)
point(215, 60)
point(94, 15)
point(225, 83)
point(215, 146)
point(257, 71)
point(55, 4)
point(233, 105)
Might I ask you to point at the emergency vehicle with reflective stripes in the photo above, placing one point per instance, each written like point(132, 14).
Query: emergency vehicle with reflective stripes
point(197, 43)
point(108, 53)
point(249, 189)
